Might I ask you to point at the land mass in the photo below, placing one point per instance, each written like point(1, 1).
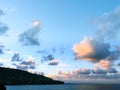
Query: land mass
point(10, 76)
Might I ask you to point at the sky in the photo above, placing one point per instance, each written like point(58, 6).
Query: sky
point(68, 40)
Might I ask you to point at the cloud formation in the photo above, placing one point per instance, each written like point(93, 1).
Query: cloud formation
point(88, 74)
point(98, 49)
point(2, 49)
point(16, 57)
point(29, 64)
point(109, 24)
point(105, 64)
point(91, 50)
point(3, 27)
point(21, 67)
point(48, 57)
point(26, 65)
point(30, 37)
point(54, 62)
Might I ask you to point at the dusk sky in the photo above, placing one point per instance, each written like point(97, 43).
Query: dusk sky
point(68, 40)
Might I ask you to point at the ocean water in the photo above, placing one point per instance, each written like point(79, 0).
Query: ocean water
point(65, 87)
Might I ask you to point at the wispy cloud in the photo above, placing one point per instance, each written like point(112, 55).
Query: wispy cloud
point(109, 24)
point(30, 37)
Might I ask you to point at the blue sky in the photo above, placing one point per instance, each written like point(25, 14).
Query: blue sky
point(41, 35)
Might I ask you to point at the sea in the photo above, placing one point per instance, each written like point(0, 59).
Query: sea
point(65, 87)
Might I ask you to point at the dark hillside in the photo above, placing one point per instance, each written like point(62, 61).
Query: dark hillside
point(18, 77)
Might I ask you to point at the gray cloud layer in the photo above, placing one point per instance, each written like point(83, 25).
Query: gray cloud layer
point(89, 74)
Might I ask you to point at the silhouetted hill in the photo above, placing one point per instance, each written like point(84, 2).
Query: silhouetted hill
point(18, 77)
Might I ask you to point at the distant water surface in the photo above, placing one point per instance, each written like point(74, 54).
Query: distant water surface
point(66, 87)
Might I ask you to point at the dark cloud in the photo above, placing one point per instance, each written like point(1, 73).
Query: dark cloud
point(89, 74)
point(114, 55)
point(112, 70)
point(82, 71)
point(118, 64)
point(30, 64)
point(42, 51)
point(1, 51)
point(54, 62)
point(91, 50)
point(99, 71)
point(2, 47)
point(48, 57)
point(30, 37)
point(22, 67)
point(3, 27)
point(25, 65)
point(16, 57)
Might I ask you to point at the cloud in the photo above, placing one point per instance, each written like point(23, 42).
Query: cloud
point(48, 54)
point(21, 67)
point(82, 71)
point(1, 12)
point(2, 47)
point(91, 50)
point(109, 24)
point(30, 37)
point(88, 74)
point(30, 64)
point(54, 62)
point(47, 58)
point(16, 57)
point(1, 64)
point(3, 27)
point(26, 65)
point(105, 64)
point(98, 49)
point(112, 70)
point(99, 71)
point(118, 64)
